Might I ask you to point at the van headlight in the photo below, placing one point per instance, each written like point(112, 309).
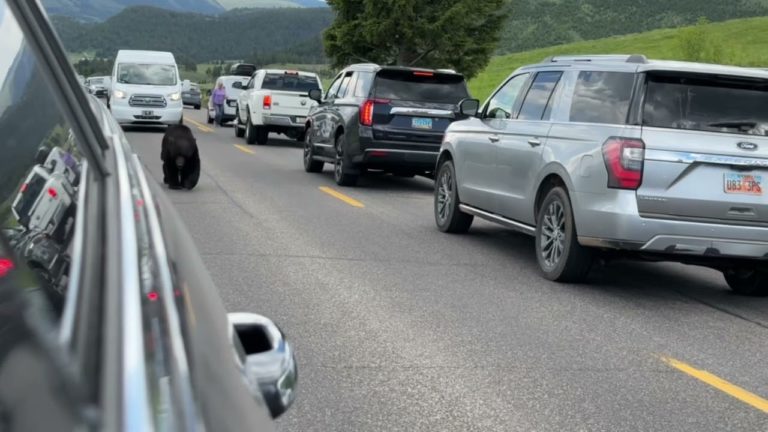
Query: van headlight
point(175, 96)
point(119, 94)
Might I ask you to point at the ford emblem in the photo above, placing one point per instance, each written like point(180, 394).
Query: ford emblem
point(747, 146)
point(303, 103)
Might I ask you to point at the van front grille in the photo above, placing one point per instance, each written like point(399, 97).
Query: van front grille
point(151, 101)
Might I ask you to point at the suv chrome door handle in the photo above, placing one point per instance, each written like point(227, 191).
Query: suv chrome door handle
point(534, 142)
point(493, 138)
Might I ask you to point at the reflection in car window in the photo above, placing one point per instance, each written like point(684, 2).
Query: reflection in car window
point(344, 85)
point(501, 104)
point(39, 169)
point(538, 95)
point(363, 86)
point(334, 88)
point(602, 97)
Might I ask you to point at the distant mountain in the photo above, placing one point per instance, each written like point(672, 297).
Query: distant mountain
point(99, 10)
point(233, 4)
point(196, 38)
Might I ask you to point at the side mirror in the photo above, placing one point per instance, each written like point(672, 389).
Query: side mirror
point(237, 85)
point(267, 360)
point(316, 95)
point(469, 107)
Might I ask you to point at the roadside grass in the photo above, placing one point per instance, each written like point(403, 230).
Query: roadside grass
point(743, 42)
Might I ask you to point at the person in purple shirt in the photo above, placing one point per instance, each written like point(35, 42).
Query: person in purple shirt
point(218, 97)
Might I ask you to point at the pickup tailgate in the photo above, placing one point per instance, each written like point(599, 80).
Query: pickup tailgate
point(286, 93)
point(289, 103)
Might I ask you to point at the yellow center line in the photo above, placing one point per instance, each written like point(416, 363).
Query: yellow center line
point(338, 195)
point(200, 126)
point(720, 384)
point(243, 148)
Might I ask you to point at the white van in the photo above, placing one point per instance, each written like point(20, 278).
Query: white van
point(146, 88)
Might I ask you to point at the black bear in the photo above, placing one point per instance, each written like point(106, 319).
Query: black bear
point(181, 160)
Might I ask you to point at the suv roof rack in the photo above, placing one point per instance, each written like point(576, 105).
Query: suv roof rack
point(634, 58)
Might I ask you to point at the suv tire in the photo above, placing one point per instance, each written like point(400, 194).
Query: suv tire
point(448, 217)
point(250, 131)
point(750, 282)
point(239, 129)
point(310, 164)
point(341, 173)
point(560, 256)
point(262, 135)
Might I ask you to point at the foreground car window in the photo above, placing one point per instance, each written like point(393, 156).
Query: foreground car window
point(40, 168)
point(707, 103)
point(502, 103)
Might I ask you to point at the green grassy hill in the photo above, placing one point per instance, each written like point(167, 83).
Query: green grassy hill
point(742, 42)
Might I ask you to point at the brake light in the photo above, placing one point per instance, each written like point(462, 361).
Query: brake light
point(424, 74)
point(24, 187)
point(268, 102)
point(6, 266)
point(366, 110)
point(152, 296)
point(624, 158)
point(52, 192)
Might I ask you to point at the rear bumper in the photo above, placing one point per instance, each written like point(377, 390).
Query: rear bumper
point(620, 226)
point(284, 121)
point(396, 154)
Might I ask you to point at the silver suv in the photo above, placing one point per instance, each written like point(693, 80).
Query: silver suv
point(618, 155)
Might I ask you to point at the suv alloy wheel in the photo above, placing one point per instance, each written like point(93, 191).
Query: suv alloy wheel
point(448, 216)
point(341, 170)
point(560, 256)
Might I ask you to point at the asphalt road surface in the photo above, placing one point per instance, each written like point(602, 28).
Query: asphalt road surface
point(399, 327)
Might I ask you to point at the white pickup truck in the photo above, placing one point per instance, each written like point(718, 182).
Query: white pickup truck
point(275, 101)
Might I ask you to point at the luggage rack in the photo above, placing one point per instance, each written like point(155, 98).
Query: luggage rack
point(610, 58)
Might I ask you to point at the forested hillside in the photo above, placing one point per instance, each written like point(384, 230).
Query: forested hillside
point(543, 23)
point(99, 10)
point(239, 34)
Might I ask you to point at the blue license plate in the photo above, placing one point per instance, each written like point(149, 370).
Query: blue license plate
point(421, 123)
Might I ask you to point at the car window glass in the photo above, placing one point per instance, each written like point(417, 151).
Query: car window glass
point(344, 85)
point(40, 169)
point(501, 104)
point(552, 100)
point(363, 85)
point(408, 85)
point(289, 81)
point(334, 88)
point(538, 95)
point(602, 97)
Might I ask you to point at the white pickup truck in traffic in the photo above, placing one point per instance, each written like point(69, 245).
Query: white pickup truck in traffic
point(275, 101)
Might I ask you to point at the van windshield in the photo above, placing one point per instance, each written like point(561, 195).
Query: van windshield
point(707, 103)
point(146, 74)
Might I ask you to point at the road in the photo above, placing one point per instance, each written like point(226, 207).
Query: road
point(399, 327)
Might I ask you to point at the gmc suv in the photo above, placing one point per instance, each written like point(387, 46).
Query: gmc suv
point(654, 159)
point(385, 118)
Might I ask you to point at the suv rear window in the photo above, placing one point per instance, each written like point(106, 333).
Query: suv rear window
point(290, 82)
point(407, 85)
point(707, 103)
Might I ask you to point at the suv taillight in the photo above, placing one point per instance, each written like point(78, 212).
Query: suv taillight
point(624, 159)
point(267, 102)
point(366, 110)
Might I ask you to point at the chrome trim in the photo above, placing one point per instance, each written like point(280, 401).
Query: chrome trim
point(501, 220)
point(436, 152)
point(135, 400)
point(689, 158)
point(425, 112)
point(73, 285)
point(182, 380)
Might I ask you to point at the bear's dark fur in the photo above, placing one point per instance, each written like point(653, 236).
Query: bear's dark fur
point(181, 160)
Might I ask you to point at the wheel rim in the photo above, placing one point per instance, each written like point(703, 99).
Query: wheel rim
point(307, 151)
point(338, 168)
point(444, 195)
point(553, 234)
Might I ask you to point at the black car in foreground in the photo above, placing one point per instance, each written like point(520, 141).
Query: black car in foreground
point(108, 318)
point(386, 118)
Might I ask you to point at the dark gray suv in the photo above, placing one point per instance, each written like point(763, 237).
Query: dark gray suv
point(618, 155)
point(386, 118)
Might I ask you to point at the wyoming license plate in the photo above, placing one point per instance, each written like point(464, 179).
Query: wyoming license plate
point(421, 123)
point(743, 184)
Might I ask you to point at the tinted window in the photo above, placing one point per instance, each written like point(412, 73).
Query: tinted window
point(602, 97)
point(333, 89)
point(538, 96)
point(289, 82)
point(411, 86)
point(146, 74)
point(707, 103)
point(502, 103)
point(363, 86)
point(40, 169)
point(228, 83)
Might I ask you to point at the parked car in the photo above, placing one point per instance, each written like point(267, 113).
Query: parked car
point(190, 95)
point(277, 101)
point(146, 88)
point(618, 155)
point(233, 84)
point(382, 117)
point(109, 319)
point(98, 86)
